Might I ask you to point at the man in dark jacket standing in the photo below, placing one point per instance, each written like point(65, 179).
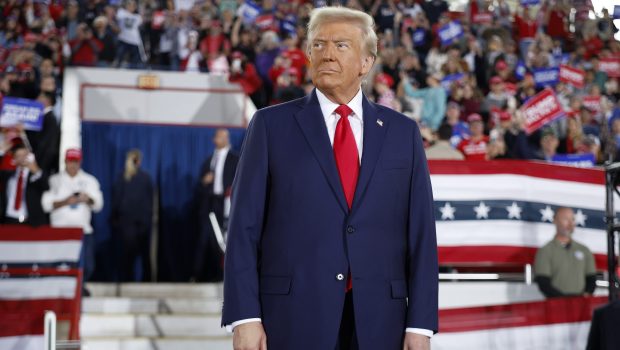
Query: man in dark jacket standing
point(216, 177)
point(20, 202)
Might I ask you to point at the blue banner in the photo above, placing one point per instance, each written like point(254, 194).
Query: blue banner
point(546, 77)
point(616, 14)
point(29, 113)
point(529, 2)
point(450, 33)
point(520, 70)
point(249, 11)
point(289, 26)
point(419, 37)
point(585, 160)
point(448, 80)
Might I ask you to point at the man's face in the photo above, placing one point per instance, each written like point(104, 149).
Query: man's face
point(476, 128)
point(221, 139)
point(72, 166)
point(549, 143)
point(564, 222)
point(20, 156)
point(337, 62)
point(48, 84)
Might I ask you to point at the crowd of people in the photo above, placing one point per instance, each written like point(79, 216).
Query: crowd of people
point(475, 81)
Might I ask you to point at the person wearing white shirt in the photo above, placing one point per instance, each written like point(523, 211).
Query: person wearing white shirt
point(216, 177)
point(23, 188)
point(72, 197)
point(129, 39)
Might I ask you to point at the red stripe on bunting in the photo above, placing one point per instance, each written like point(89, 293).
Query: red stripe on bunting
point(517, 167)
point(548, 312)
point(43, 233)
point(22, 323)
point(479, 255)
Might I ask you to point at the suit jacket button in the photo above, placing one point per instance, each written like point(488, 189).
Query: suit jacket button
point(350, 229)
point(339, 277)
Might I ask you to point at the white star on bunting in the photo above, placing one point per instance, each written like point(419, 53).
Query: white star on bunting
point(547, 214)
point(482, 211)
point(447, 212)
point(514, 211)
point(580, 218)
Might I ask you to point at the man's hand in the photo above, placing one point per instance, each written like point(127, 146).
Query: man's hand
point(250, 336)
point(414, 341)
point(208, 178)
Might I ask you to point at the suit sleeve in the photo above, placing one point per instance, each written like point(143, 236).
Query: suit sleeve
point(249, 194)
point(423, 267)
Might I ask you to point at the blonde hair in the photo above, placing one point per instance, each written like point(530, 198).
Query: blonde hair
point(331, 14)
point(132, 161)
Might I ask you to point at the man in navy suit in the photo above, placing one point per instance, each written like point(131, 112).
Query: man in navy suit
point(331, 240)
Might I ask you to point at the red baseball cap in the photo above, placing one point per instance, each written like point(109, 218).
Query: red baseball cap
point(501, 65)
point(73, 154)
point(505, 116)
point(496, 80)
point(474, 117)
point(384, 79)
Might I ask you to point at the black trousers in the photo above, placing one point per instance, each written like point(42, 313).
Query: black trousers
point(135, 243)
point(347, 337)
point(208, 258)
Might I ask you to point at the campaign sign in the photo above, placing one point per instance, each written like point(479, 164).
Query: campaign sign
point(611, 66)
point(584, 160)
point(529, 2)
point(541, 109)
point(593, 103)
point(546, 77)
point(249, 11)
point(289, 26)
point(450, 33)
point(419, 37)
point(483, 18)
point(520, 70)
point(575, 77)
point(22, 111)
point(616, 13)
point(448, 80)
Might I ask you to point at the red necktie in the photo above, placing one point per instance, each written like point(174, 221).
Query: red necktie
point(20, 189)
point(347, 159)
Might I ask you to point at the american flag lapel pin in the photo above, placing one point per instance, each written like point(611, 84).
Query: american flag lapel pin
point(380, 122)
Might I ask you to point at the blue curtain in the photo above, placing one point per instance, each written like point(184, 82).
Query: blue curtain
point(172, 156)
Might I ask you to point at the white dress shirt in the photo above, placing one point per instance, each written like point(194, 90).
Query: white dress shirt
point(62, 185)
point(357, 126)
point(217, 167)
point(20, 214)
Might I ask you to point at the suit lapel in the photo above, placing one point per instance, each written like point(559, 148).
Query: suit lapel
point(312, 124)
point(374, 133)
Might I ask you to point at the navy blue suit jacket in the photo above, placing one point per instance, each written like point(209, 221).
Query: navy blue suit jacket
point(291, 233)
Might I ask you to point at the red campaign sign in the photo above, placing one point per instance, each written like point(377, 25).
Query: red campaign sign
point(573, 76)
point(483, 18)
point(541, 109)
point(611, 66)
point(592, 103)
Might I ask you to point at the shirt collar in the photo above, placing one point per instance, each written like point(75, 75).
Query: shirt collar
point(328, 107)
point(223, 150)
